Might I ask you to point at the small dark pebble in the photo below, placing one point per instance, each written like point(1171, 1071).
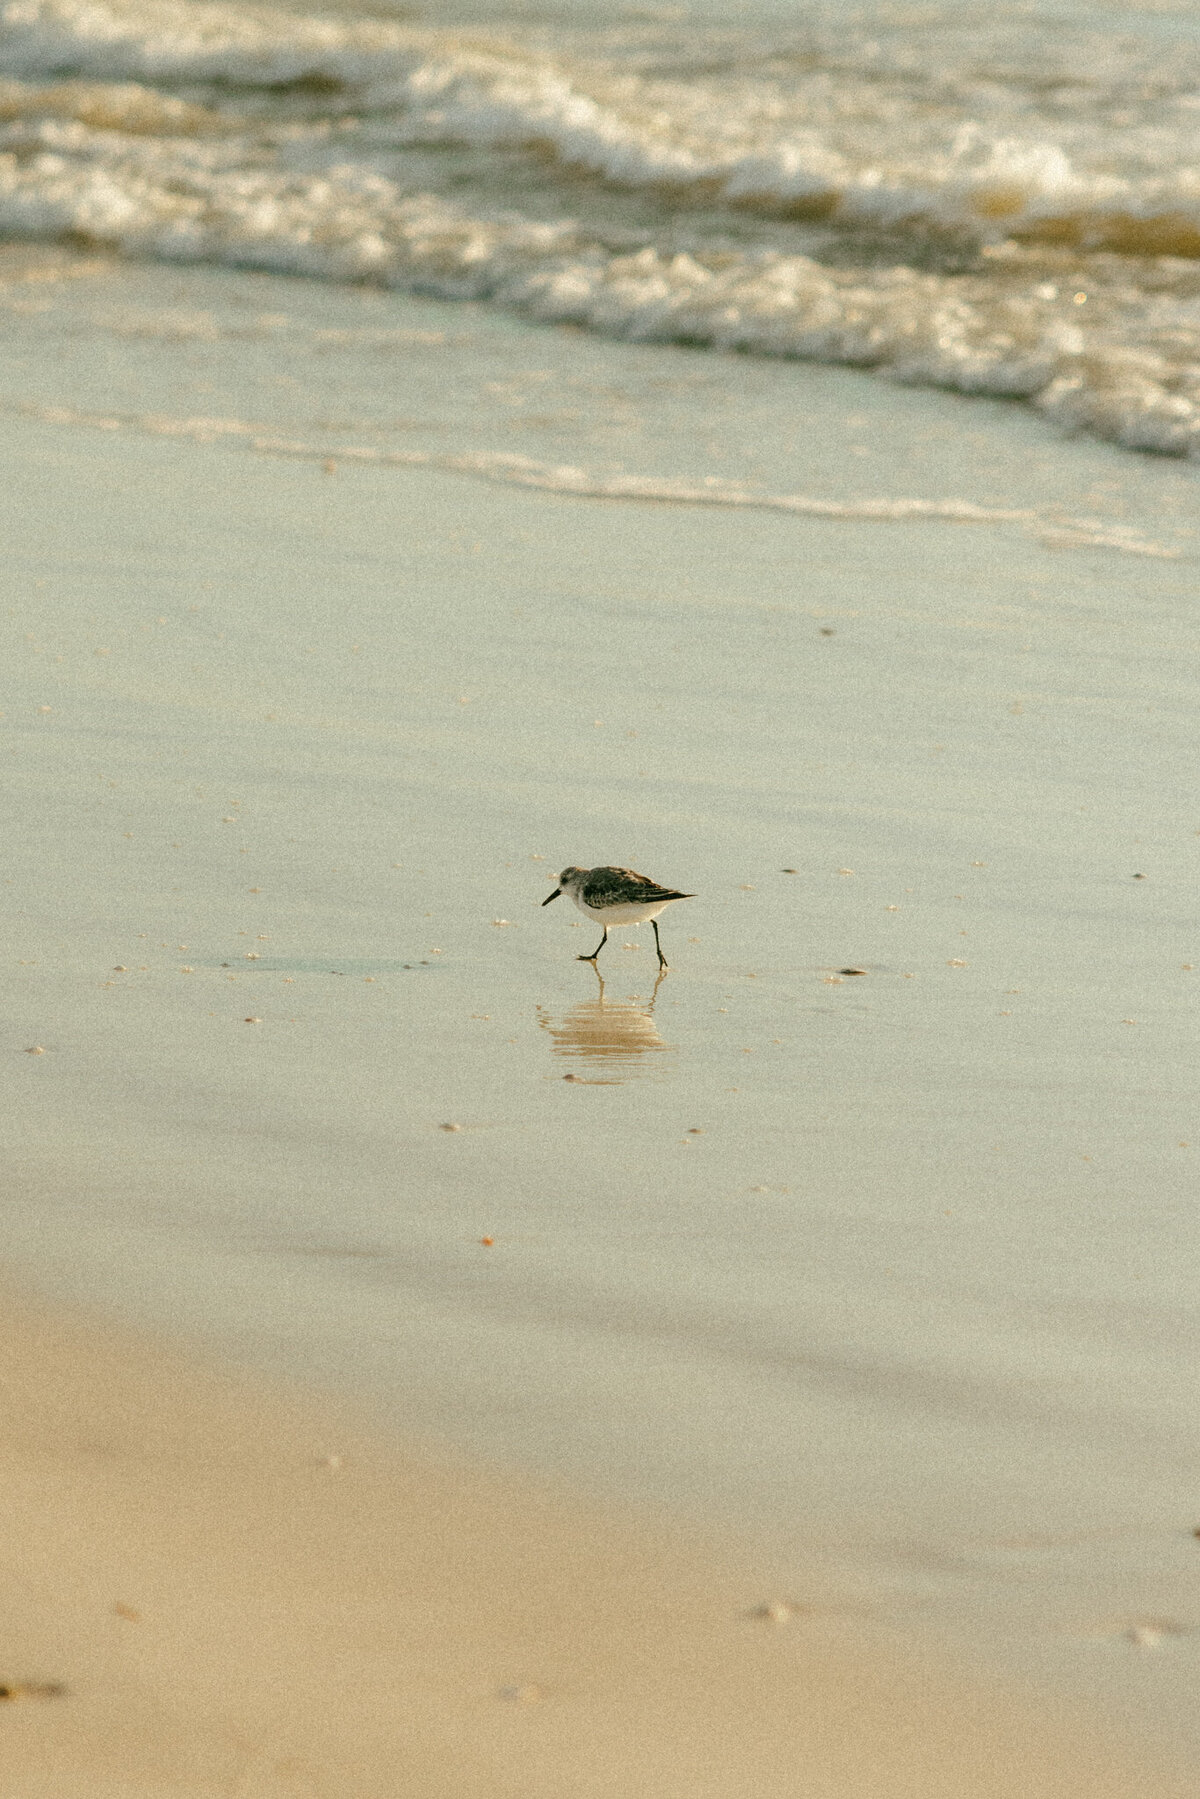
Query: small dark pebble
point(1139, 877)
point(828, 631)
point(852, 971)
point(787, 871)
point(570, 1077)
point(32, 1689)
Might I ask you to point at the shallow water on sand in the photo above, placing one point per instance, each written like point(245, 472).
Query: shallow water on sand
point(893, 1268)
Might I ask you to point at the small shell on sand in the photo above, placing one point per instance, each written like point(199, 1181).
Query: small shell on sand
point(1148, 1633)
point(449, 1127)
point(1143, 1633)
point(35, 1049)
point(776, 1611)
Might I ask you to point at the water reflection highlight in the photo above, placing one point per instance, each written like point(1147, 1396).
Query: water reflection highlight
point(610, 1038)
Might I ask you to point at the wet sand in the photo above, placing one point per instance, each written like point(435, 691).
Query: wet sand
point(885, 1278)
point(214, 1587)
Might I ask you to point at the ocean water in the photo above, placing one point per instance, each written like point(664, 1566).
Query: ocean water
point(999, 200)
point(389, 521)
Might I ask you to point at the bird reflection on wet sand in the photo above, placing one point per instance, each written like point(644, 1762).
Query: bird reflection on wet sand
point(606, 1037)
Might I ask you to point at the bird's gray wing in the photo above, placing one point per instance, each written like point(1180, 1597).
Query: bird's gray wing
point(624, 886)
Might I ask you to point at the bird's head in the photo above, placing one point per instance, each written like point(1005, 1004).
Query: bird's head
point(566, 880)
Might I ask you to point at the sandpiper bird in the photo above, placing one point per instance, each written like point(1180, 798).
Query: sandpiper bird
point(616, 896)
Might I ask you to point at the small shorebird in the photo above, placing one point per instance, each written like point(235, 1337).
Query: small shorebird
point(616, 896)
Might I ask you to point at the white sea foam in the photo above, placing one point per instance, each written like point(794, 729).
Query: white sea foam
point(512, 470)
point(1041, 193)
point(777, 145)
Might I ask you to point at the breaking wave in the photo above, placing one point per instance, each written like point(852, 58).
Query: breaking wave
point(951, 218)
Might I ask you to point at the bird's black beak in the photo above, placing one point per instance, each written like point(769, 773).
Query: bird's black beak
point(551, 896)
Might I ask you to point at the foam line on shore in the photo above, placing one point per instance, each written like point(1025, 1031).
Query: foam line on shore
point(1053, 529)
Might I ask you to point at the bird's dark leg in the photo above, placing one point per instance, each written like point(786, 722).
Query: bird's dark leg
point(597, 949)
point(662, 960)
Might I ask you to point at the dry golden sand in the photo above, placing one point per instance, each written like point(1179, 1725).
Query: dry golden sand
point(240, 1599)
